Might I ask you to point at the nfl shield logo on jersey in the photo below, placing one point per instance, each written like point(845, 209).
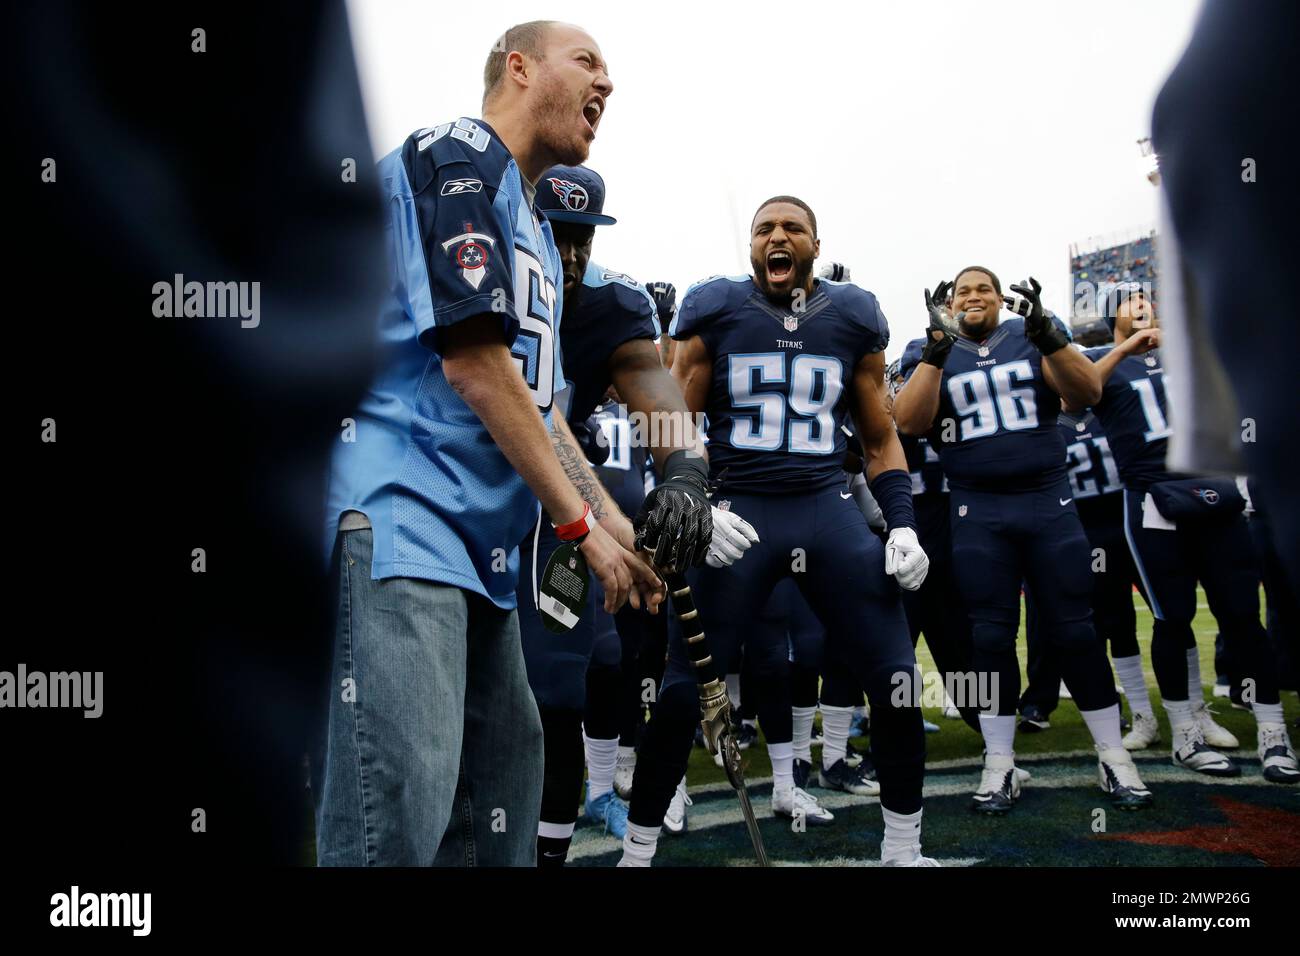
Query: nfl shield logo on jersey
point(1151, 361)
point(961, 512)
point(791, 323)
point(984, 351)
point(724, 505)
point(470, 250)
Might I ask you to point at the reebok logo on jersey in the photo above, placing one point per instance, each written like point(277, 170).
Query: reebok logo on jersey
point(455, 187)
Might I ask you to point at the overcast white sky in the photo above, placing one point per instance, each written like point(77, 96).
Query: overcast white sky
point(926, 135)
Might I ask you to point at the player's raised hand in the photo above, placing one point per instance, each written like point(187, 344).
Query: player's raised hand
point(1141, 342)
point(905, 559)
point(675, 524)
point(605, 558)
point(938, 337)
point(1042, 332)
point(665, 296)
point(732, 537)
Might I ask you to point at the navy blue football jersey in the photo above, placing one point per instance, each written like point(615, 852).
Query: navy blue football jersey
point(611, 309)
point(996, 426)
point(628, 468)
point(779, 392)
point(1132, 410)
point(922, 460)
point(1089, 464)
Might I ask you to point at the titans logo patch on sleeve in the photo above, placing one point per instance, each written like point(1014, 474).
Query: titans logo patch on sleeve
point(471, 251)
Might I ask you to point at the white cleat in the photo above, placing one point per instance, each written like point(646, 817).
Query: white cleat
point(1145, 732)
point(912, 857)
point(675, 818)
point(1276, 755)
point(795, 803)
point(950, 710)
point(1119, 777)
point(999, 785)
point(1191, 751)
point(1215, 734)
point(623, 772)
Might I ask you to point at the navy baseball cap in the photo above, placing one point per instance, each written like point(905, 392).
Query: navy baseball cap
point(573, 194)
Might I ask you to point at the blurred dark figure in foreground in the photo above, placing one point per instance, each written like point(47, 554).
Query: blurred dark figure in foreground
point(154, 150)
point(1227, 159)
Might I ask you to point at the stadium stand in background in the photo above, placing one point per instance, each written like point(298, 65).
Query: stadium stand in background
point(1097, 266)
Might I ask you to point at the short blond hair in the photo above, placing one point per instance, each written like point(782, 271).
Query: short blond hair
point(527, 38)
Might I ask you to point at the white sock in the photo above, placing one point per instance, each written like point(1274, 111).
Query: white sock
point(624, 753)
point(1104, 726)
point(1267, 713)
point(803, 724)
point(602, 756)
point(1179, 711)
point(1134, 683)
point(782, 757)
point(733, 690)
point(555, 831)
point(639, 845)
point(902, 835)
point(835, 734)
point(999, 733)
point(1194, 691)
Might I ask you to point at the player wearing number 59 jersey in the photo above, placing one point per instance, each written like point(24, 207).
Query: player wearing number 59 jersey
point(989, 396)
point(778, 360)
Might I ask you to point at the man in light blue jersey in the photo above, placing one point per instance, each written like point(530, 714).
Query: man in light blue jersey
point(434, 746)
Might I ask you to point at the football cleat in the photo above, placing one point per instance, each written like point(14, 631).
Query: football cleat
point(840, 776)
point(999, 785)
point(675, 818)
point(1215, 734)
point(914, 858)
point(624, 770)
point(747, 736)
point(1276, 755)
point(1145, 732)
point(950, 711)
point(930, 728)
point(1222, 688)
point(802, 771)
point(797, 802)
point(1191, 751)
point(608, 810)
point(853, 757)
point(1032, 720)
point(1119, 778)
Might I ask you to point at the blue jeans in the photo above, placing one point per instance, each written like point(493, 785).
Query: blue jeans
point(434, 746)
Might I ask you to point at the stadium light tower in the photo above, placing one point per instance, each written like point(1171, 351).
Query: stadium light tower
point(1153, 161)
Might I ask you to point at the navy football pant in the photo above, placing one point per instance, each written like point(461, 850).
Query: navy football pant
point(936, 608)
point(1113, 614)
point(823, 542)
point(1001, 540)
point(1218, 553)
point(815, 675)
point(557, 674)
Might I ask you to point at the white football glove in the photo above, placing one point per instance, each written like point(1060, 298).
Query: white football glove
point(732, 537)
point(905, 560)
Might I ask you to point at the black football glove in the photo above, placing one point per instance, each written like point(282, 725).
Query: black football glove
point(675, 522)
point(665, 297)
point(1044, 334)
point(936, 350)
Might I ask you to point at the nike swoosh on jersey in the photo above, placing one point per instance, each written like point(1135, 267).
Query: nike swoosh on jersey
point(846, 496)
point(1065, 501)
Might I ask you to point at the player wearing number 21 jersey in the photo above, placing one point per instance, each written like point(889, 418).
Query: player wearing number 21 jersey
point(989, 396)
point(778, 360)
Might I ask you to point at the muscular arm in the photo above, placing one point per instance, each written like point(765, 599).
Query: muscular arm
point(647, 387)
point(1070, 374)
point(917, 402)
point(881, 448)
point(692, 370)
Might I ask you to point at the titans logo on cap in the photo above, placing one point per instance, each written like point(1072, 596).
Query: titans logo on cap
point(572, 195)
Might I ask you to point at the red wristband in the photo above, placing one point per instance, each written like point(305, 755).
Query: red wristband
point(576, 529)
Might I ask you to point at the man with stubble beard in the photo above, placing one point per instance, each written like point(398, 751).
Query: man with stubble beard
point(433, 733)
point(778, 360)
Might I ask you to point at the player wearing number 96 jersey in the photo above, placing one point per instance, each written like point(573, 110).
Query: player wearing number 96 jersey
point(988, 397)
point(777, 360)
